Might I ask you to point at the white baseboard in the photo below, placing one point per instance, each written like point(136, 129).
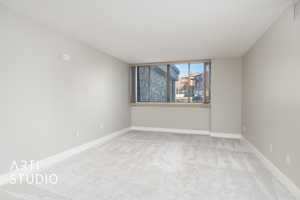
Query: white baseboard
point(289, 184)
point(170, 130)
point(226, 135)
point(188, 131)
point(48, 162)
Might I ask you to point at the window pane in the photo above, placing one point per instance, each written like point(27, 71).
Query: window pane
point(133, 84)
point(173, 74)
point(197, 82)
point(158, 84)
point(179, 80)
point(177, 83)
point(207, 81)
point(143, 84)
point(152, 84)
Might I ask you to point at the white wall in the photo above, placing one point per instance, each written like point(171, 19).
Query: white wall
point(223, 116)
point(271, 94)
point(195, 118)
point(226, 109)
point(44, 100)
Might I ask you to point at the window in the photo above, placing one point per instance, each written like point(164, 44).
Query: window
point(171, 83)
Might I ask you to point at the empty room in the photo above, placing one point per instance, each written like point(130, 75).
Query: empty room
point(149, 100)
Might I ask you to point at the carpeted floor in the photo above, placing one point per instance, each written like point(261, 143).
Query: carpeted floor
point(159, 166)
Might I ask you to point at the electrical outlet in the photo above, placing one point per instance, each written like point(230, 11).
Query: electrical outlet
point(65, 57)
point(77, 133)
point(271, 148)
point(288, 159)
point(101, 126)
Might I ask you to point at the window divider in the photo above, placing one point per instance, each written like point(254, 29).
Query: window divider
point(168, 100)
point(133, 85)
point(189, 82)
point(205, 83)
point(149, 84)
point(138, 84)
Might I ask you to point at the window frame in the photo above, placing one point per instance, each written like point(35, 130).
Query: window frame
point(207, 84)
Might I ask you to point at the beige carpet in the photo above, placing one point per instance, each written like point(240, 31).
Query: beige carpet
point(159, 166)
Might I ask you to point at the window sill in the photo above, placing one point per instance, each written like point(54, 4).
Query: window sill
point(201, 105)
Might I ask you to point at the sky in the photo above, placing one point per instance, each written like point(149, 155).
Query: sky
point(194, 67)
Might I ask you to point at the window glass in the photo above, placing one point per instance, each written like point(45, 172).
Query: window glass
point(158, 84)
point(180, 82)
point(207, 81)
point(175, 83)
point(143, 84)
point(152, 84)
point(197, 85)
